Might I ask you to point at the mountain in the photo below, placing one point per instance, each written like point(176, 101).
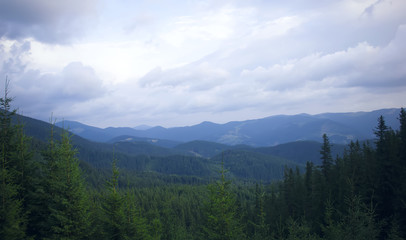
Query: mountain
point(143, 148)
point(152, 141)
point(203, 148)
point(85, 131)
point(142, 127)
point(113, 134)
point(196, 158)
point(250, 165)
point(341, 128)
point(365, 122)
point(300, 151)
point(141, 156)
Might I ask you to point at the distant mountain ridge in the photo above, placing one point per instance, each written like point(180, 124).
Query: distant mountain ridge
point(270, 131)
point(194, 159)
point(139, 155)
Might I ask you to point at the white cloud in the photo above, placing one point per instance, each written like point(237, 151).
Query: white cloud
point(275, 28)
point(183, 63)
point(40, 94)
point(194, 77)
point(363, 65)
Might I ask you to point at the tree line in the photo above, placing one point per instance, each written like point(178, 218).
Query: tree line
point(46, 193)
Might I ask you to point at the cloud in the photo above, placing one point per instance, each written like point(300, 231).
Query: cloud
point(45, 21)
point(183, 63)
point(12, 58)
point(39, 94)
point(344, 78)
point(364, 66)
point(194, 77)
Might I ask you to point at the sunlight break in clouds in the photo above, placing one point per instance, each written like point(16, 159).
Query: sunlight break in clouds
point(126, 63)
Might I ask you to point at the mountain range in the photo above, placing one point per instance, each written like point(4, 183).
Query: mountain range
point(341, 128)
point(196, 158)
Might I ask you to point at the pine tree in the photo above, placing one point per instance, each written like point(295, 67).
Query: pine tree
point(402, 135)
point(359, 222)
point(135, 224)
point(308, 190)
point(76, 209)
point(318, 200)
point(260, 227)
point(41, 223)
point(299, 230)
point(327, 160)
point(68, 206)
point(385, 157)
point(220, 210)
point(12, 219)
point(401, 166)
point(29, 179)
point(113, 209)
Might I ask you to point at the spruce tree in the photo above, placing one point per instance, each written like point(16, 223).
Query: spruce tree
point(67, 202)
point(135, 224)
point(401, 166)
point(308, 190)
point(76, 207)
point(12, 218)
point(402, 135)
point(29, 178)
point(327, 160)
point(385, 157)
point(49, 191)
point(220, 210)
point(113, 209)
point(261, 229)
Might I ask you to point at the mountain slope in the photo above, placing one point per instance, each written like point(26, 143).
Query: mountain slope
point(203, 148)
point(340, 127)
point(145, 157)
point(144, 148)
point(250, 165)
point(152, 141)
point(301, 151)
point(96, 134)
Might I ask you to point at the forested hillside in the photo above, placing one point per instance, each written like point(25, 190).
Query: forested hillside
point(192, 159)
point(270, 131)
point(48, 193)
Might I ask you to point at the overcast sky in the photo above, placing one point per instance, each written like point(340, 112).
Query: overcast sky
point(176, 63)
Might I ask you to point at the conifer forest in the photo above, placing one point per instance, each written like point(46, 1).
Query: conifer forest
point(47, 192)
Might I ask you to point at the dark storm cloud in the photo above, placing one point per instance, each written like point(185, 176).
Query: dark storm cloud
point(43, 20)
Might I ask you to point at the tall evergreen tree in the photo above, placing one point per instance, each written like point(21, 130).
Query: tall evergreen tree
point(41, 224)
point(308, 190)
point(113, 208)
point(261, 229)
point(401, 193)
point(385, 157)
point(402, 135)
point(135, 224)
point(12, 220)
point(68, 206)
point(29, 179)
point(220, 210)
point(327, 159)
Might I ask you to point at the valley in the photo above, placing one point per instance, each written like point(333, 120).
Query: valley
point(171, 187)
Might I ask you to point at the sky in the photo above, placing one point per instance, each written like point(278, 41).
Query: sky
point(178, 63)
